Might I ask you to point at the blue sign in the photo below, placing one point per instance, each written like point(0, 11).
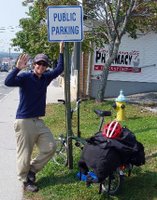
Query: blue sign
point(65, 23)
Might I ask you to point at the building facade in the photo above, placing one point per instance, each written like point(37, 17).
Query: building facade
point(134, 70)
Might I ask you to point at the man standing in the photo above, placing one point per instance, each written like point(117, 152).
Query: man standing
point(29, 127)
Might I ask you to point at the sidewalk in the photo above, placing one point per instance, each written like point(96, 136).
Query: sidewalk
point(10, 187)
point(54, 92)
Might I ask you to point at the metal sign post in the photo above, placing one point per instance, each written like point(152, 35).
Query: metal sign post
point(68, 105)
point(65, 23)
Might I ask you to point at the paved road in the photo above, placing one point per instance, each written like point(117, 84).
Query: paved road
point(4, 91)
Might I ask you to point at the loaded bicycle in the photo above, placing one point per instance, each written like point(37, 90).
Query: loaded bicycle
point(112, 183)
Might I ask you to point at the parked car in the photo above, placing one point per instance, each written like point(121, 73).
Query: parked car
point(4, 67)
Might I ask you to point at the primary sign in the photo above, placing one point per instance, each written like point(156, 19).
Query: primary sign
point(125, 61)
point(65, 23)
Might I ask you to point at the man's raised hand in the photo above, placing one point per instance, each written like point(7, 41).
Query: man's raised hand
point(22, 61)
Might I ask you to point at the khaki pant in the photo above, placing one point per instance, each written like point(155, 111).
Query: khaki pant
point(28, 133)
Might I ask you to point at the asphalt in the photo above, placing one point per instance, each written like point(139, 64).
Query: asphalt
point(147, 100)
point(10, 187)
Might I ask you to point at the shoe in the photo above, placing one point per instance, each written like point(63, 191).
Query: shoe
point(30, 187)
point(91, 180)
point(31, 176)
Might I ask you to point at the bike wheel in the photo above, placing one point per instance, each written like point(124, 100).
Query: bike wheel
point(113, 181)
point(61, 155)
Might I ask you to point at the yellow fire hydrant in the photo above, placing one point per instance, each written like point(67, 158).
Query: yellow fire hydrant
point(119, 106)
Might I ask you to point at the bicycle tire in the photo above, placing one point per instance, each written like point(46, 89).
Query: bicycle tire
point(115, 184)
point(61, 155)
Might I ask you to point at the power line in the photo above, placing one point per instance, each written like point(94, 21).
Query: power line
point(3, 29)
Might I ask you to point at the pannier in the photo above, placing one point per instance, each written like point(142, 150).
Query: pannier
point(103, 155)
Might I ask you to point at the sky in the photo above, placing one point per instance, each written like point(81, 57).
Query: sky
point(11, 11)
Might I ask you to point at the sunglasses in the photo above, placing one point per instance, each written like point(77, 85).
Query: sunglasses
point(42, 63)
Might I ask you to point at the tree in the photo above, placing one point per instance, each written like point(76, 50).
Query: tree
point(114, 18)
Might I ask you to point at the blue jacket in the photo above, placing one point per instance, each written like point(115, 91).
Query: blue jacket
point(32, 90)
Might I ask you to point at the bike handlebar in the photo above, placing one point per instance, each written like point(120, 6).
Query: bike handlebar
point(77, 103)
point(61, 101)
